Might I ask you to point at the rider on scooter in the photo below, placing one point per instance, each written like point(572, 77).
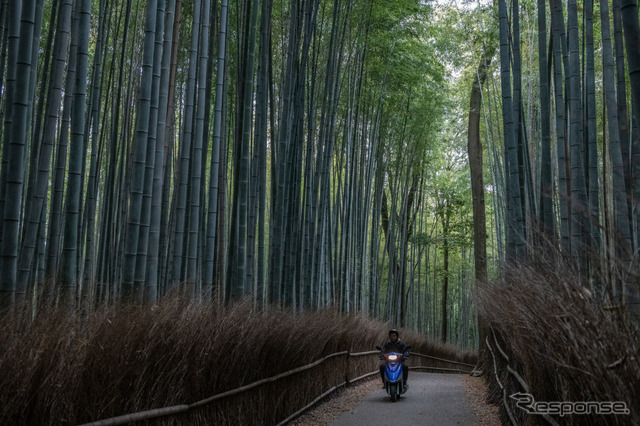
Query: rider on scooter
point(394, 344)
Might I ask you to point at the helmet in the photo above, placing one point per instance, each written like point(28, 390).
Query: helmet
point(394, 331)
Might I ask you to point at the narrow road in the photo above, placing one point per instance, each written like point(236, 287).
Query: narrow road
point(432, 399)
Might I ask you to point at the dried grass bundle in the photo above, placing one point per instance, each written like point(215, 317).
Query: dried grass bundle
point(70, 369)
point(561, 343)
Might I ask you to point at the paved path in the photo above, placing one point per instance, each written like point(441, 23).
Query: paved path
point(432, 399)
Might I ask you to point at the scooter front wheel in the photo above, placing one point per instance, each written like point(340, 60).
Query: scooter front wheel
point(393, 391)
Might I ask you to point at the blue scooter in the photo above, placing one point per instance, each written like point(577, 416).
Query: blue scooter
point(393, 373)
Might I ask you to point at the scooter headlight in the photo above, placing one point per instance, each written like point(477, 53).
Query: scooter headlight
point(392, 357)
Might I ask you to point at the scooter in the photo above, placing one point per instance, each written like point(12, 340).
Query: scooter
point(393, 373)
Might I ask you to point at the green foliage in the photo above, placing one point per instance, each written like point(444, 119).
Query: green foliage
point(402, 60)
point(422, 239)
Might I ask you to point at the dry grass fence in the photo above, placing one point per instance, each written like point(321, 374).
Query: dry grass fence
point(559, 344)
point(71, 369)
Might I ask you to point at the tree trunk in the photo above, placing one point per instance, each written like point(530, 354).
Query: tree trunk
point(238, 267)
point(37, 203)
point(546, 185)
point(629, 12)
point(474, 149)
point(592, 143)
point(184, 186)
point(153, 262)
point(212, 214)
point(561, 125)
point(13, 30)
point(68, 268)
point(140, 276)
point(631, 295)
point(196, 168)
point(17, 152)
point(445, 215)
point(623, 112)
point(515, 220)
point(131, 291)
point(578, 187)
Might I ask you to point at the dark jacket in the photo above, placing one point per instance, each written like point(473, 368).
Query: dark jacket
point(399, 347)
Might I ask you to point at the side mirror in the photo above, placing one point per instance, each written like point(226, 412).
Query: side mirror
point(379, 348)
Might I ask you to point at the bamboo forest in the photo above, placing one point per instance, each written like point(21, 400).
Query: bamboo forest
point(467, 171)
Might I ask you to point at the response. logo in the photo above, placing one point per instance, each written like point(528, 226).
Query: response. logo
point(528, 403)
